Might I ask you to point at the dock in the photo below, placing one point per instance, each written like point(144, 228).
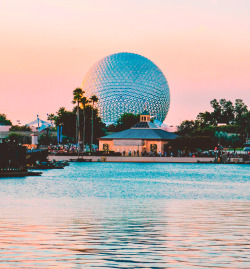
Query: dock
point(19, 174)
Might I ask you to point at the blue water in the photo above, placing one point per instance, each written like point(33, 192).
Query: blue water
point(127, 215)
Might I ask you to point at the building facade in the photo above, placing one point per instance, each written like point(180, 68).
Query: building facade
point(142, 139)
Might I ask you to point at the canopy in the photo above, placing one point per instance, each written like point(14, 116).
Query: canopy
point(41, 123)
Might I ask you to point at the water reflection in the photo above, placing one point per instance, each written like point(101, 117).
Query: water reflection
point(158, 234)
point(101, 227)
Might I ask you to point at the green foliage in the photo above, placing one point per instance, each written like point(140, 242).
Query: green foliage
point(244, 124)
point(80, 120)
point(51, 117)
point(68, 121)
point(111, 128)
point(229, 140)
point(235, 116)
point(77, 95)
point(84, 101)
point(93, 99)
point(240, 110)
point(211, 130)
point(223, 111)
point(226, 112)
point(47, 139)
point(193, 143)
point(126, 121)
point(4, 120)
point(187, 127)
point(25, 128)
point(14, 138)
point(99, 126)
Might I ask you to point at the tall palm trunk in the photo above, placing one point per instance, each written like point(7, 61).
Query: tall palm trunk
point(77, 125)
point(78, 92)
point(92, 127)
point(84, 127)
point(94, 100)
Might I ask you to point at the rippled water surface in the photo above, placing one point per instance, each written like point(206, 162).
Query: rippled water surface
point(121, 215)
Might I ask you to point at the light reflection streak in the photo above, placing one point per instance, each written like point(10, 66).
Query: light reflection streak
point(174, 233)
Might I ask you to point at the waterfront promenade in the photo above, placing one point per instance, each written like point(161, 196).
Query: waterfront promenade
point(137, 159)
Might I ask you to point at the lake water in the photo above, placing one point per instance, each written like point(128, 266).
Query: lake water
point(127, 215)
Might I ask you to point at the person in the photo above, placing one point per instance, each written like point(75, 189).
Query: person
point(137, 152)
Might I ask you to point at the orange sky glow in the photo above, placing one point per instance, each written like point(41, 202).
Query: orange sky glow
point(46, 48)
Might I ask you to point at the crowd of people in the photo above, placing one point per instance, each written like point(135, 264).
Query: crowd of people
point(72, 149)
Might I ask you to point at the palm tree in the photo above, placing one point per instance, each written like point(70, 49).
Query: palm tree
point(77, 95)
point(84, 102)
point(51, 118)
point(93, 100)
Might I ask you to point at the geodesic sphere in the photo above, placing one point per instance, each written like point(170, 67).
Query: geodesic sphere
point(127, 82)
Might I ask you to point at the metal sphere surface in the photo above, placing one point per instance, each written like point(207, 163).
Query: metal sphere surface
point(127, 83)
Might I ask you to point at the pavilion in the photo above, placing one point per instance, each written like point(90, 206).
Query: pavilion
point(143, 138)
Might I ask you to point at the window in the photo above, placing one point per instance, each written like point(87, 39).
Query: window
point(105, 147)
point(153, 147)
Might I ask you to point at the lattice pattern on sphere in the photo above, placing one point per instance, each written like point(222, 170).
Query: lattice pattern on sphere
point(127, 82)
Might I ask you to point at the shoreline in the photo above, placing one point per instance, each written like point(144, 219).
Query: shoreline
point(9, 174)
point(136, 159)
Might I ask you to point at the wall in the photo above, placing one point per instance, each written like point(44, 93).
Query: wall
point(109, 142)
point(160, 145)
point(121, 145)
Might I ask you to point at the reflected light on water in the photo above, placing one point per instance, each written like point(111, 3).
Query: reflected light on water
point(102, 227)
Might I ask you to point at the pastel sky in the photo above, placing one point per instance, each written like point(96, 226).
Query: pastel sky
point(47, 46)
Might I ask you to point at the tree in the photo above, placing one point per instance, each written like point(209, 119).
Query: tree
point(84, 101)
point(111, 128)
point(236, 117)
point(99, 126)
point(227, 111)
point(47, 139)
point(25, 128)
point(216, 114)
point(192, 144)
point(94, 100)
point(16, 139)
point(240, 109)
point(126, 121)
point(4, 120)
point(186, 128)
point(204, 119)
point(244, 123)
point(77, 95)
point(68, 121)
point(51, 118)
